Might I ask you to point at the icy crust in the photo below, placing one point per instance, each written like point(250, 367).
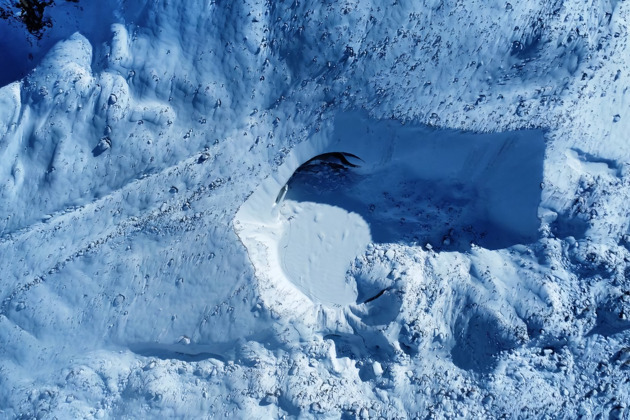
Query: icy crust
point(132, 150)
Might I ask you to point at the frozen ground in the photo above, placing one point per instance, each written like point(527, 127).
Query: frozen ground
point(341, 210)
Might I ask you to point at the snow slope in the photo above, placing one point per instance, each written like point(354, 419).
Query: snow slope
point(473, 264)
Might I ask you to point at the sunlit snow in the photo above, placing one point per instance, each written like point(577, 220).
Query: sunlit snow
point(290, 209)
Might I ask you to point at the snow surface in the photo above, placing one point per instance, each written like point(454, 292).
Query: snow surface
point(166, 252)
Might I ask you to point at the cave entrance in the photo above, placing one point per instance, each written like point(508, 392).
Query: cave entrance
point(373, 181)
point(444, 188)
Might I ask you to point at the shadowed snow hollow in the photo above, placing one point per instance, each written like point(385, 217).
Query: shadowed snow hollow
point(382, 182)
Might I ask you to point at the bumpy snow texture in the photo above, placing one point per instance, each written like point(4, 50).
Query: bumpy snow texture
point(353, 209)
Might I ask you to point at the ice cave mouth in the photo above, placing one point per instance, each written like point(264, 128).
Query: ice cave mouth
point(384, 182)
point(444, 188)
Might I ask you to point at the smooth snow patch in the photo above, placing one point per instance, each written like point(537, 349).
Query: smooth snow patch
point(318, 244)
